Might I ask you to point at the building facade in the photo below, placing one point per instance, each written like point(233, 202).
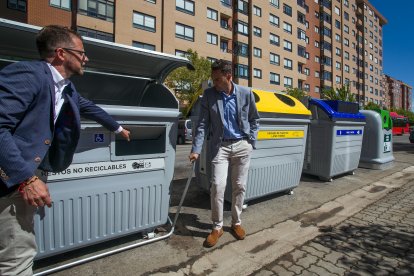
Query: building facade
point(274, 44)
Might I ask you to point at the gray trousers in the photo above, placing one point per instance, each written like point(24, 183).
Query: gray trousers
point(17, 239)
point(237, 156)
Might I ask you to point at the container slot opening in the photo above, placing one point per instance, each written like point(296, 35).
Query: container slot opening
point(144, 140)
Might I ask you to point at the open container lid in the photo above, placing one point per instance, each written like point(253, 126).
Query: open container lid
point(274, 104)
point(18, 42)
point(339, 110)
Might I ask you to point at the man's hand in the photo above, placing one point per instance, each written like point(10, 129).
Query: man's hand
point(193, 156)
point(36, 194)
point(125, 133)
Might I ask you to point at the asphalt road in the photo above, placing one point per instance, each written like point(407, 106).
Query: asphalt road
point(275, 225)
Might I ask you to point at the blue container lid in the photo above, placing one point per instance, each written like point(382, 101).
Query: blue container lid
point(336, 109)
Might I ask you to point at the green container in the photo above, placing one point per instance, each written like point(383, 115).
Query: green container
point(385, 118)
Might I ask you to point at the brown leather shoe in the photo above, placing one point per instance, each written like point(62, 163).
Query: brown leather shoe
point(238, 232)
point(213, 237)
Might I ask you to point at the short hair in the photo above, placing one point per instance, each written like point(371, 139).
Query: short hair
point(54, 36)
point(224, 66)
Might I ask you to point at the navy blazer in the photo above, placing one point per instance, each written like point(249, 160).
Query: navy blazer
point(211, 118)
point(29, 139)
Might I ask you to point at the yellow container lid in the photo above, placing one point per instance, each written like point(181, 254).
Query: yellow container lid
point(274, 102)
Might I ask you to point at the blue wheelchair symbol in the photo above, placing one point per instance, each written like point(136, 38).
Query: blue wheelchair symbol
point(99, 138)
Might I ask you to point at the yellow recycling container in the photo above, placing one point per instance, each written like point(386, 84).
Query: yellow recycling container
point(277, 161)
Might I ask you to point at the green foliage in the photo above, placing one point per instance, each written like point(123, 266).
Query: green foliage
point(342, 93)
point(187, 83)
point(372, 106)
point(296, 93)
point(405, 113)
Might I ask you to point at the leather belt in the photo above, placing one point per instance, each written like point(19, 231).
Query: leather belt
point(234, 140)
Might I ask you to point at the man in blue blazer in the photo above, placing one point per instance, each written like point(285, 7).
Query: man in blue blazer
point(40, 113)
point(229, 118)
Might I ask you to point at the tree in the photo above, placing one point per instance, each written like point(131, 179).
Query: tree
point(187, 83)
point(372, 106)
point(342, 93)
point(296, 93)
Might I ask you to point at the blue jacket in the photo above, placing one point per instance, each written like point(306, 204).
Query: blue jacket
point(211, 118)
point(29, 139)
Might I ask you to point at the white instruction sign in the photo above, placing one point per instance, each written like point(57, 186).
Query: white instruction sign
point(87, 170)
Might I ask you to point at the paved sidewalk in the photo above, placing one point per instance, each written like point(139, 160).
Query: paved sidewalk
point(379, 240)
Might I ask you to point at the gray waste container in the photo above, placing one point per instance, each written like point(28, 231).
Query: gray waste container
point(334, 139)
point(377, 142)
point(276, 163)
point(113, 187)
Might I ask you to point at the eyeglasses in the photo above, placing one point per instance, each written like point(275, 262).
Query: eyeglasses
point(81, 53)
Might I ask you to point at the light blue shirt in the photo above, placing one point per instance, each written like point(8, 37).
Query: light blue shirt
point(231, 126)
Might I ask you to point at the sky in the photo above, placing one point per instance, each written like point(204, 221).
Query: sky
point(398, 38)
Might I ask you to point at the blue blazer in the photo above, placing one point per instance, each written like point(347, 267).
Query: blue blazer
point(29, 139)
point(211, 118)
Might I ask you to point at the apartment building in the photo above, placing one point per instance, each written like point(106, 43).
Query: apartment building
point(273, 44)
point(399, 93)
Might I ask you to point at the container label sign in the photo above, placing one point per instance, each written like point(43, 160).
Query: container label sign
point(387, 143)
point(87, 170)
point(280, 134)
point(344, 132)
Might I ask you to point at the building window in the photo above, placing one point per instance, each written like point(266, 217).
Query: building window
point(144, 21)
point(274, 59)
point(102, 9)
point(287, 45)
point(274, 20)
point(307, 87)
point(242, 28)
point(184, 32)
point(287, 82)
point(224, 46)
point(274, 3)
point(257, 31)
point(226, 3)
point(241, 71)
point(186, 6)
point(274, 78)
point(257, 11)
point(152, 1)
point(317, 89)
point(274, 39)
point(243, 6)
point(287, 9)
point(338, 65)
point(180, 53)
point(212, 38)
point(287, 63)
point(257, 73)
point(19, 5)
point(287, 27)
point(337, 10)
point(95, 34)
point(241, 49)
point(212, 14)
point(301, 51)
point(63, 4)
point(337, 24)
point(257, 52)
point(143, 45)
point(301, 34)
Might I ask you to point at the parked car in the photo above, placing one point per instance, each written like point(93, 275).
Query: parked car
point(411, 135)
point(184, 132)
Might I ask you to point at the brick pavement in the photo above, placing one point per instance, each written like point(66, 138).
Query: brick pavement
point(379, 240)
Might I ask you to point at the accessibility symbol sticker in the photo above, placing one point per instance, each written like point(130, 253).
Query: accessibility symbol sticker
point(99, 138)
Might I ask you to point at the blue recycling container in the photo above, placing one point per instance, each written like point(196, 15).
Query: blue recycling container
point(334, 139)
